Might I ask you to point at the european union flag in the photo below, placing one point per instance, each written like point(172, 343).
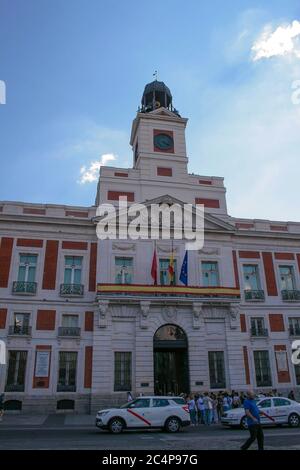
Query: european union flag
point(184, 270)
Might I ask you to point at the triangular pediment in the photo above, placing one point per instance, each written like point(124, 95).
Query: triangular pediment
point(211, 222)
point(162, 112)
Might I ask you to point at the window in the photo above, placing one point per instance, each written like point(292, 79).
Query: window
point(210, 274)
point(262, 368)
point(67, 371)
point(251, 277)
point(122, 371)
point(140, 403)
point(73, 267)
point(160, 402)
point(258, 326)
point(265, 403)
point(16, 371)
point(287, 279)
point(70, 321)
point(21, 323)
point(216, 369)
point(27, 268)
point(294, 326)
point(123, 270)
point(281, 402)
point(164, 274)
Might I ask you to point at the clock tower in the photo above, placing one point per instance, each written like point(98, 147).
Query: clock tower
point(158, 135)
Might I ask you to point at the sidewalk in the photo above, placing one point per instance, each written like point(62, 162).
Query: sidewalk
point(47, 421)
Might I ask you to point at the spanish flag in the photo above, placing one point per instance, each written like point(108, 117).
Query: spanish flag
point(154, 268)
point(171, 269)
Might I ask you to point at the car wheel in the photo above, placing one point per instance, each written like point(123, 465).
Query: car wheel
point(172, 424)
point(116, 425)
point(243, 423)
point(294, 420)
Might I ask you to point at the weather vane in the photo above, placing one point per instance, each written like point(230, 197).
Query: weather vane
point(155, 74)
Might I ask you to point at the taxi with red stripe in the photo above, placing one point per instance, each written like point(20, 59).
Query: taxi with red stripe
point(162, 412)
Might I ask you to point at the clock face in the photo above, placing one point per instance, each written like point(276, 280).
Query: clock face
point(163, 141)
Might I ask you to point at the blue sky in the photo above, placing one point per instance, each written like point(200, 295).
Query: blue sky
point(75, 72)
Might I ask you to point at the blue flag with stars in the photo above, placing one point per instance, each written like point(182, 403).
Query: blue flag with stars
point(184, 270)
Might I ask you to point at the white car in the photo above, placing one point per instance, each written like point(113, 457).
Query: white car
point(168, 413)
point(275, 410)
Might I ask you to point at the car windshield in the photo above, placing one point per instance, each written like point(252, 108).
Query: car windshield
point(126, 405)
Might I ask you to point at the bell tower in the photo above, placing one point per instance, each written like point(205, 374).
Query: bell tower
point(158, 134)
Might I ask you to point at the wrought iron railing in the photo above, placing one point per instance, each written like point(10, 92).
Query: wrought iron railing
point(71, 289)
point(69, 331)
point(290, 294)
point(259, 332)
point(254, 295)
point(21, 287)
point(294, 330)
point(15, 387)
point(16, 330)
point(66, 388)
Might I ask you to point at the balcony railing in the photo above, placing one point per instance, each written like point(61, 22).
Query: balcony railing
point(66, 388)
point(15, 330)
point(21, 287)
point(294, 330)
point(290, 294)
point(14, 387)
point(149, 290)
point(69, 331)
point(257, 295)
point(71, 289)
point(259, 332)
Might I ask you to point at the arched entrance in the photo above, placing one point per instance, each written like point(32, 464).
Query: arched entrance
point(171, 365)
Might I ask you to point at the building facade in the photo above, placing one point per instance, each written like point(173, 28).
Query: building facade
point(83, 322)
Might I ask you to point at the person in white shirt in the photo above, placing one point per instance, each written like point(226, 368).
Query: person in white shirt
point(208, 405)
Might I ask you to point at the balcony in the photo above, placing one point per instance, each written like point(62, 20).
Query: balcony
point(259, 332)
point(294, 330)
point(14, 387)
point(16, 330)
point(158, 291)
point(24, 288)
point(66, 388)
point(69, 331)
point(254, 295)
point(70, 290)
point(290, 295)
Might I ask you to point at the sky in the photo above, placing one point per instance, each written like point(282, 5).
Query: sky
point(75, 71)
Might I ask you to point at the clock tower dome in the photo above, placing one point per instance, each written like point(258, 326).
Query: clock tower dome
point(158, 134)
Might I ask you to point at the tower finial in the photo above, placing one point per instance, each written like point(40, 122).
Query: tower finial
point(155, 74)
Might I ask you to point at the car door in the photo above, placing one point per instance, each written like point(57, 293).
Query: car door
point(265, 407)
point(138, 413)
point(282, 408)
point(159, 411)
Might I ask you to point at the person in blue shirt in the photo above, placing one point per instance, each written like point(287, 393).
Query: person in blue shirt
point(253, 421)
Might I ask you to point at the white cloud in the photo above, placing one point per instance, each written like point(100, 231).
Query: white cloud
point(91, 173)
point(284, 40)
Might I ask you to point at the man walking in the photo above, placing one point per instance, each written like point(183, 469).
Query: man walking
point(253, 421)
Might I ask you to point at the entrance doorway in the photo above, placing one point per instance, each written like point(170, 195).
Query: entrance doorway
point(171, 365)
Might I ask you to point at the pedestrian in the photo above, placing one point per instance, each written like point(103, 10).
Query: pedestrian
point(291, 395)
point(226, 402)
point(253, 421)
point(236, 403)
point(215, 417)
point(1, 406)
point(220, 406)
point(201, 410)
point(192, 409)
point(207, 408)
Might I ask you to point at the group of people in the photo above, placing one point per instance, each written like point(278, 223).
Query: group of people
point(207, 408)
